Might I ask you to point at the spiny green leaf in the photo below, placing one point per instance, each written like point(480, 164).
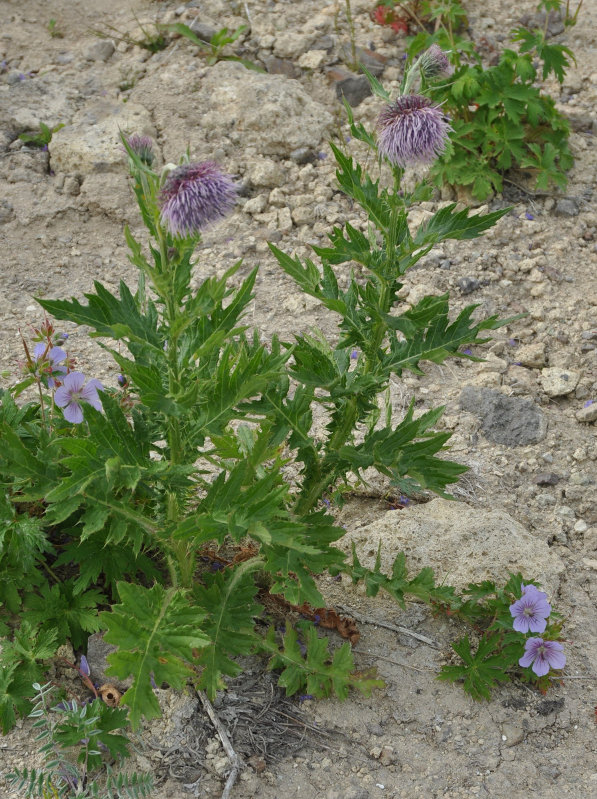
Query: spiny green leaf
point(227, 601)
point(155, 631)
point(311, 668)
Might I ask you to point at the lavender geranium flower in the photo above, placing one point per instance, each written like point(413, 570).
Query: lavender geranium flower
point(411, 130)
point(543, 655)
point(73, 392)
point(434, 63)
point(194, 196)
point(143, 147)
point(49, 363)
point(530, 611)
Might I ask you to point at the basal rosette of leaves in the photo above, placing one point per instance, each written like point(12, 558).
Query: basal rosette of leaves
point(501, 119)
point(112, 522)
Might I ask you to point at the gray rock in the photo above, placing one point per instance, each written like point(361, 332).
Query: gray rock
point(203, 31)
point(354, 88)
point(325, 42)
point(97, 657)
point(547, 479)
point(271, 113)
point(506, 420)
point(281, 66)
point(303, 155)
point(587, 414)
point(559, 382)
point(468, 284)
point(6, 212)
point(461, 544)
point(567, 206)
point(101, 51)
point(372, 61)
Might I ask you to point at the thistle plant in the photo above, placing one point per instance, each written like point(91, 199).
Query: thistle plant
point(501, 119)
point(184, 464)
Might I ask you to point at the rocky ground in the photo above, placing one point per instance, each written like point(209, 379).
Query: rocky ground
point(522, 420)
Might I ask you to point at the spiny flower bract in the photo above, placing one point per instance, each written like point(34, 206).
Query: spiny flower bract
point(143, 147)
point(434, 63)
point(411, 130)
point(543, 656)
point(195, 195)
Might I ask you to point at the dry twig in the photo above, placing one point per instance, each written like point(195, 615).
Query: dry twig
point(388, 626)
point(235, 761)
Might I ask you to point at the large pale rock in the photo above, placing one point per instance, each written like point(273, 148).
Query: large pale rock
point(27, 103)
point(272, 113)
point(460, 543)
point(91, 143)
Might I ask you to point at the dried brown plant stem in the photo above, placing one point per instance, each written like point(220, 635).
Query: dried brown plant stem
point(235, 760)
point(388, 626)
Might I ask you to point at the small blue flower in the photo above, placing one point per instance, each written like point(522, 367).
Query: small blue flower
point(529, 216)
point(467, 352)
point(587, 403)
point(354, 355)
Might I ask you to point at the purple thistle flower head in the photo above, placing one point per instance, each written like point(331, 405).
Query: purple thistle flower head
point(434, 63)
point(530, 611)
point(543, 655)
point(411, 130)
point(143, 147)
point(194, 196)
point(74, 391)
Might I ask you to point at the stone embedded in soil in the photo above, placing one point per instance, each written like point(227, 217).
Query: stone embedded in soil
point(97, 657)
point(558, 382)
point(547, 479)
point(587, 414)
point(532, 355)
point(462, 544)
point(271, 113)
point(506, 420)
point(91, 143)
point(354, 88)
point(567, 206)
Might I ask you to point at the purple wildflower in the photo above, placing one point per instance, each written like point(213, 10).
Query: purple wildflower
point(543, 655)
point(412, 130)
point(49, 362)
point(467, 352)
point(122, 381)
point(74, 391)
point(193, 196)
point(530, 611)
point(143, 147)
point(587, 403)
point(434, 63)
point(529, 216)
point(84, 666)
point(354, 355)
